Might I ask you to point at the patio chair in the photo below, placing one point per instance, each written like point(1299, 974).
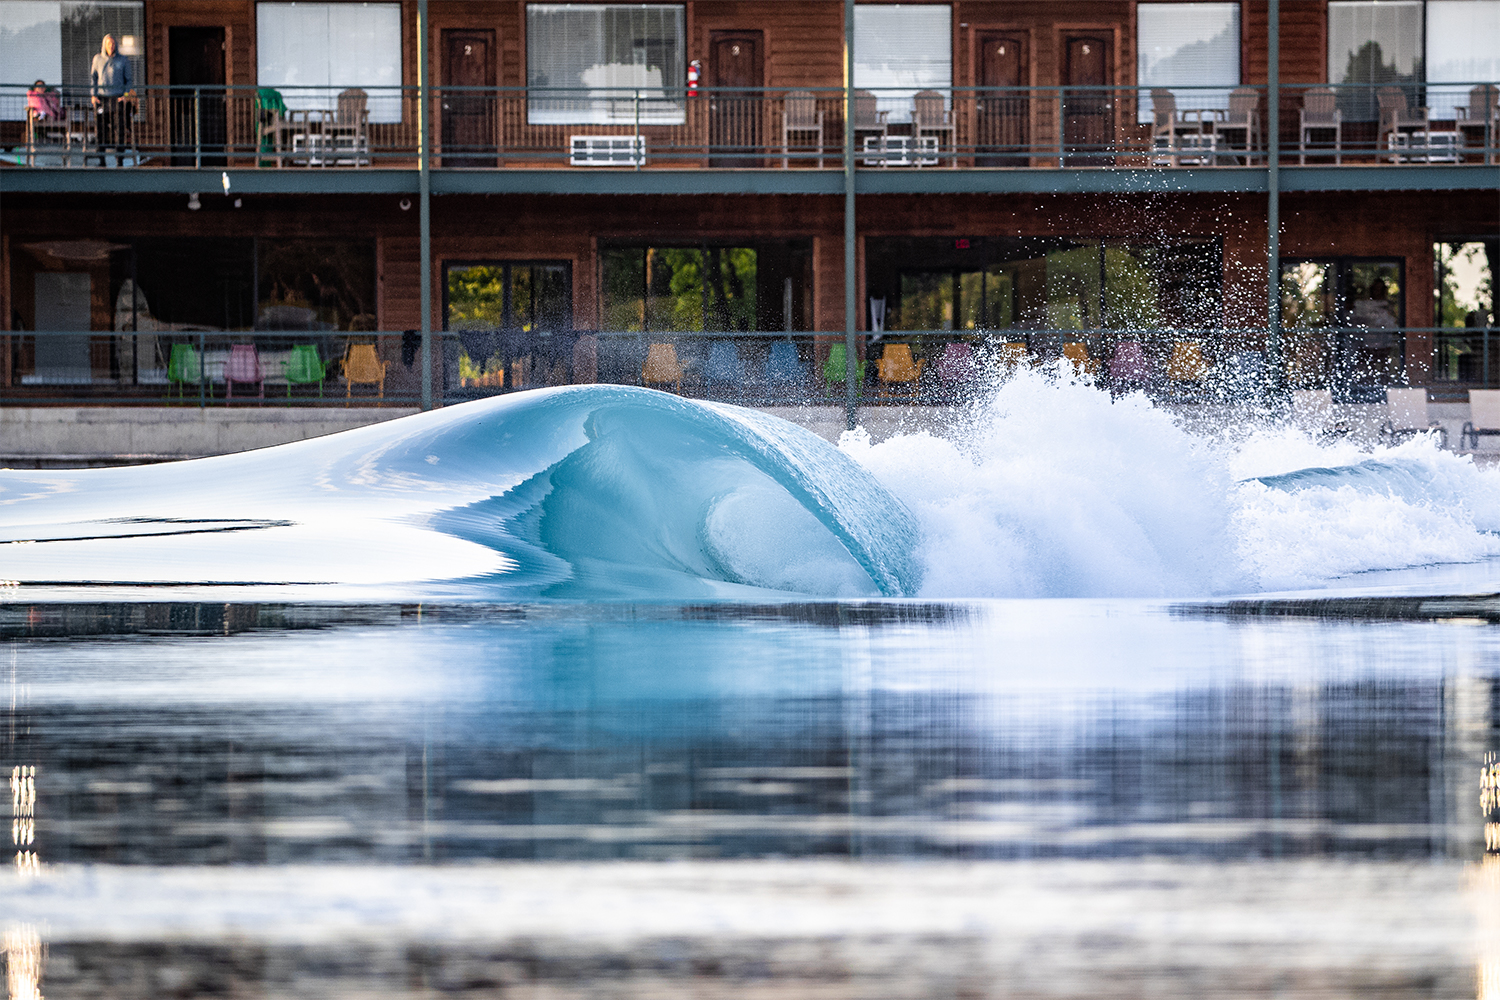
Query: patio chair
point(271, 131)
point(956, 371)
point(1320, 114)
point(1484, 417)
point(243, 366)
point(1478, 118)
point(835, 368)
point(662, 367)
point(1239, 129)
point(1406, 417)
point(870, 126)
point(1077, 353)
point(303, 366)
point(586, 360)
point(1163, 127)
point(184, 367)
point(1186, 367)
point(897, 367)
point(1399, 122)
point(724, 365)
point(783, 366)
point(930, 116)
point(801, 117)
point(1129, 368)
point(362, 365)
point(1011, 355)
point(349, 133)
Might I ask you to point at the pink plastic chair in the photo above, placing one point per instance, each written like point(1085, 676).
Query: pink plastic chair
point(243, 366)
point(1129, 368)
point(956, 368)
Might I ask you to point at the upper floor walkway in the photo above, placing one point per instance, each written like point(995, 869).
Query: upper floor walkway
point(762, 140)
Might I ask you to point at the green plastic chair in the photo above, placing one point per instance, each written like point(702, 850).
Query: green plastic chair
point(270, 112)
point(184, 367)
point(834, 371)
point(304, 367)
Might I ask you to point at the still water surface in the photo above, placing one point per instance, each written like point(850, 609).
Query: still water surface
point(879, 798)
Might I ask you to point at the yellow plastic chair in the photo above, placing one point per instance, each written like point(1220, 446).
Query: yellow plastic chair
point(1186, 363)
point(1078, 354)
point(362, 365)
point(662, 367)
point(898, 368)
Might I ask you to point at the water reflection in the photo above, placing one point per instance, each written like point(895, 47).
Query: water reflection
point(1069, 773)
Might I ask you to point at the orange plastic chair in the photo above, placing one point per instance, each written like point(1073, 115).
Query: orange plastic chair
point(1011, 354)
point(662, 367)
point(1078, 354)
point(898, 368)
point(1186, 363)
point(363, 366)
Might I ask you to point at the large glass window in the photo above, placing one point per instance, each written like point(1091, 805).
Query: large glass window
point(900, 49)
point(1463, 48)
point(606, 63)
point(312, 51)
point(1372, 42)
point(1464, 299)
point(1188, 45)
point(56, 43)
point(512, 324)
point(1343, 320)
point(679, 288)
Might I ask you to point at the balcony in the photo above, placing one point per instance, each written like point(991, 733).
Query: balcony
point(776, 140)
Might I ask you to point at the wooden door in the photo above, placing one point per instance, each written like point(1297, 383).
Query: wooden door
point(1003, 123)
point(199, 125)
point(1088, 115)
point(734, 130)
point(469, 132)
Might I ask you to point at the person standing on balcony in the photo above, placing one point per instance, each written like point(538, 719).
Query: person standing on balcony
point(112, 88)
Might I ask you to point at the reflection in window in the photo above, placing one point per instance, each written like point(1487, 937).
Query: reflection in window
point(1343, 318)
point(315, 285)
point(1188, 44)
point(56, 42)
point(513, 322)
point(600, 56)
point(1464, 292)
point(1463, 47)
point(311, 51)
point(680, 288)
point(1373, 42)
point(903, 47)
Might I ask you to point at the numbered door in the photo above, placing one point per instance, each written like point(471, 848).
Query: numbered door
point(736, 74)
point(1003, 117)
point(1088, 112)
point(468, 102)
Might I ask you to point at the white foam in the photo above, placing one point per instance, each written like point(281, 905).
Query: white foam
point(1058, 490)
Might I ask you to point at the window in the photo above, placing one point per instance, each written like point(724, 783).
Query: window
point(512, 324)
point(1343, 318)
point(312, 51)
point(1188, 45)
point(1372, 42)
point(56, 42)
point(606, 63)
point(1463, 47)
point(900, 49)
point(1463, 293)
point(679, 288)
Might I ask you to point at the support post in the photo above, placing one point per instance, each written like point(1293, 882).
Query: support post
point(1275, 370)
point(851, 289)
point(424, 213)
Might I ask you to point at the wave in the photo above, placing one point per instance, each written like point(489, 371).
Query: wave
point(1047, 487)
point(575, 493)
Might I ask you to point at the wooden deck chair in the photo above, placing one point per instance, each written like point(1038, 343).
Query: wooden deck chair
point(1484, 417)
point(801, 117)
point(1406, 417)
point(898, 368)
point(1477, 119)
point(1320, 114)
point(1397, 116)
point(662, 367)
point(1239, 129)
point(362, 365)
point(929, 116)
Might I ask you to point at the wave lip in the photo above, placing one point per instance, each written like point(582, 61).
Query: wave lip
point(576, 492)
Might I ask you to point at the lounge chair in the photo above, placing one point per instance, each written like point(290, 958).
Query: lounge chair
point(662, 367)
point(1484, 417)
point(1320, 114)
point(1406, 417)
point(898, 368)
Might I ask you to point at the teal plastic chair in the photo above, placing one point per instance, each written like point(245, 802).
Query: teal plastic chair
point(184, 367)
point(834, 368)
point(304, 367)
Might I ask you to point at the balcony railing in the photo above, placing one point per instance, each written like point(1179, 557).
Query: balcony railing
point(760, 368)
point(763, 128)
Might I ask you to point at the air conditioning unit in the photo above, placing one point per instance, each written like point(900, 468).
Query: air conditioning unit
point(607, 151)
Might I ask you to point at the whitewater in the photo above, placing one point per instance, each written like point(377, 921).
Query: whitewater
point(1047, 486)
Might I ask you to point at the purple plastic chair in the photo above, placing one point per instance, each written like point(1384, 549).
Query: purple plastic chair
point(956, 369)
point(243, 366)
point(1129, 368)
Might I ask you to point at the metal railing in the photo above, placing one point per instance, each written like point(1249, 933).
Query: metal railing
point(756, 368)
point(761, 128)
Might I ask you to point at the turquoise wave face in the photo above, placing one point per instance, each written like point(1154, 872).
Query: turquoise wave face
point(582, 492)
